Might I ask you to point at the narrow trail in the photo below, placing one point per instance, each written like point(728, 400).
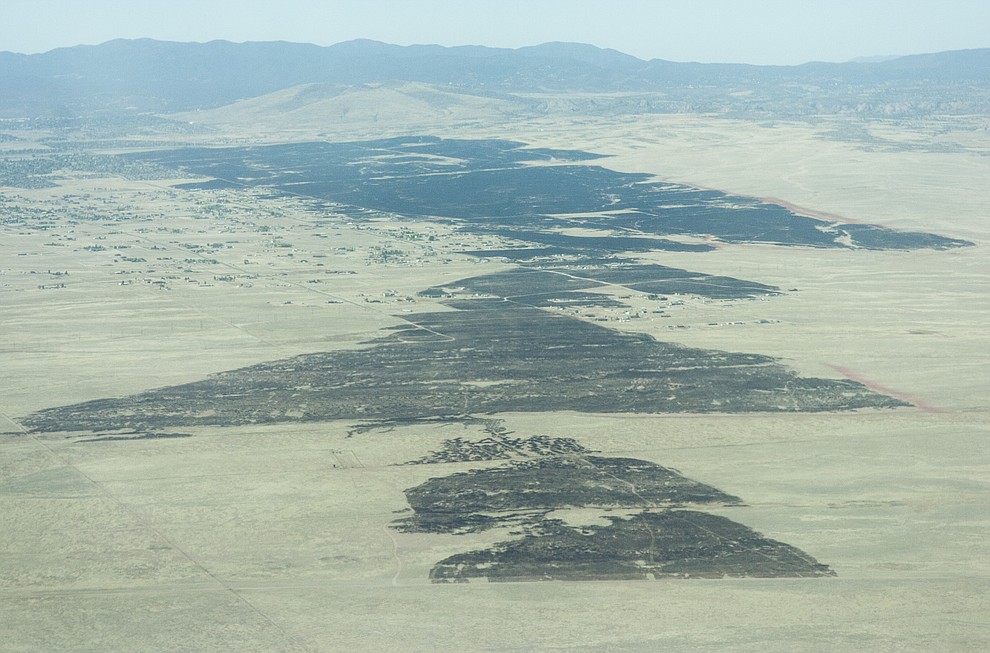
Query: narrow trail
point(209, 576)
point(917, 402)
point(395, 554)
point(494, 429)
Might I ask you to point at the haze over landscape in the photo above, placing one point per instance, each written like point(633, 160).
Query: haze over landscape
point(494, 326)
point(775, 32)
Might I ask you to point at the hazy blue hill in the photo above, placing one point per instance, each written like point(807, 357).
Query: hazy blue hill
point(582, 52)
point(957, 65)
point(154, 75)
point(158, 76)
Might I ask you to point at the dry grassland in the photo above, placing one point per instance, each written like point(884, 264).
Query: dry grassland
point(277, 538)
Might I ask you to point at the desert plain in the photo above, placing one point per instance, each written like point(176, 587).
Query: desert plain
point(279, 536)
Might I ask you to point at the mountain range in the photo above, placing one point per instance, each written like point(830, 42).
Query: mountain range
point(167, 77)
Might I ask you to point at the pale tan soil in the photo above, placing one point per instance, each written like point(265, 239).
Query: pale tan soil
point(276, 538)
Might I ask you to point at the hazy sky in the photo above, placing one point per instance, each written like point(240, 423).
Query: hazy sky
point(746, 31)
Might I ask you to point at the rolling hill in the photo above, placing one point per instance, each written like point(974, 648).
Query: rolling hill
point(166, 77)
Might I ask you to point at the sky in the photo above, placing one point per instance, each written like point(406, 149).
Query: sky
point(781, 32)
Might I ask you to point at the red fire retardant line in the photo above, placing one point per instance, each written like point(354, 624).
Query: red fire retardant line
point(920, 404)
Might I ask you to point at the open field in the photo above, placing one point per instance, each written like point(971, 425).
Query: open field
point(281, 534)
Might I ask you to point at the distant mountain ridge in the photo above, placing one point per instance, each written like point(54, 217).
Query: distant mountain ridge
point(159, 76)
